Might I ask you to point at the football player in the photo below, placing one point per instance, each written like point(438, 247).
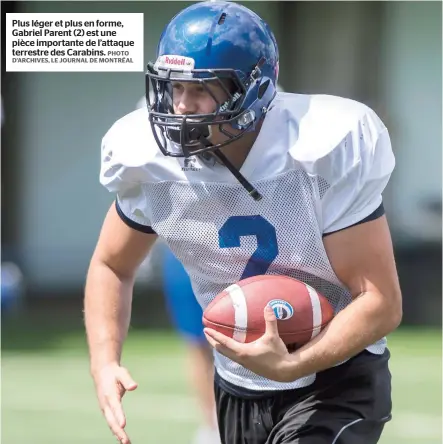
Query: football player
point(240, 180)
point(186, 315)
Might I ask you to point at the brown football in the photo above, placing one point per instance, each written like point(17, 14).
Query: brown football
point(301, 311)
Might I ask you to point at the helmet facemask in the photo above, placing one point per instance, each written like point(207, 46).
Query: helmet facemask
point(187, 135)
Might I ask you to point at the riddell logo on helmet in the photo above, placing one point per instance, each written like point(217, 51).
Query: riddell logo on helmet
point(177, 61)
point(174, 61)
point(225, 105)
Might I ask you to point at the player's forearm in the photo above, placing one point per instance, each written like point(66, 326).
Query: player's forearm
point(367, 319)
point(108, 300)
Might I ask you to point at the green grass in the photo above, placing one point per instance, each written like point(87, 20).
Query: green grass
point(48, 397)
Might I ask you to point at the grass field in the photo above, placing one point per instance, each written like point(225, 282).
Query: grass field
point(48, 397)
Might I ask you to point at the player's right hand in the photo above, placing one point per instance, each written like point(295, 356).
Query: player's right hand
point(111, 383)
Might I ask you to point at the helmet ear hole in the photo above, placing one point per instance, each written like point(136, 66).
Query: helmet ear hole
point(262, 89)
point(222, 18)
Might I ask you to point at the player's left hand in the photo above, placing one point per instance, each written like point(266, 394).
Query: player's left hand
point(267, 356)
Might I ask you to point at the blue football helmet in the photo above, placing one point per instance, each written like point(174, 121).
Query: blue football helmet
point(212, 41)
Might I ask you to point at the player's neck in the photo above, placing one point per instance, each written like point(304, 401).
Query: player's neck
point(238, 151)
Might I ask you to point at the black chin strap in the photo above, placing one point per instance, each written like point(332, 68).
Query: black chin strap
point(244, 182)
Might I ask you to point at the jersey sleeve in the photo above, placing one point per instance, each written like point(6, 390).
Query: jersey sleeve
point(353, 176)
point(124, 173)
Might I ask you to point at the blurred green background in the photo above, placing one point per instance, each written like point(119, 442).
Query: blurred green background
point(385, 54)
point(48, 397)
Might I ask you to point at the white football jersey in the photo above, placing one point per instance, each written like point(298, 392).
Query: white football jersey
point(321, 164)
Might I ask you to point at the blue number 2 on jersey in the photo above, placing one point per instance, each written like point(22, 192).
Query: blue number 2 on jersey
point(267, 248)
